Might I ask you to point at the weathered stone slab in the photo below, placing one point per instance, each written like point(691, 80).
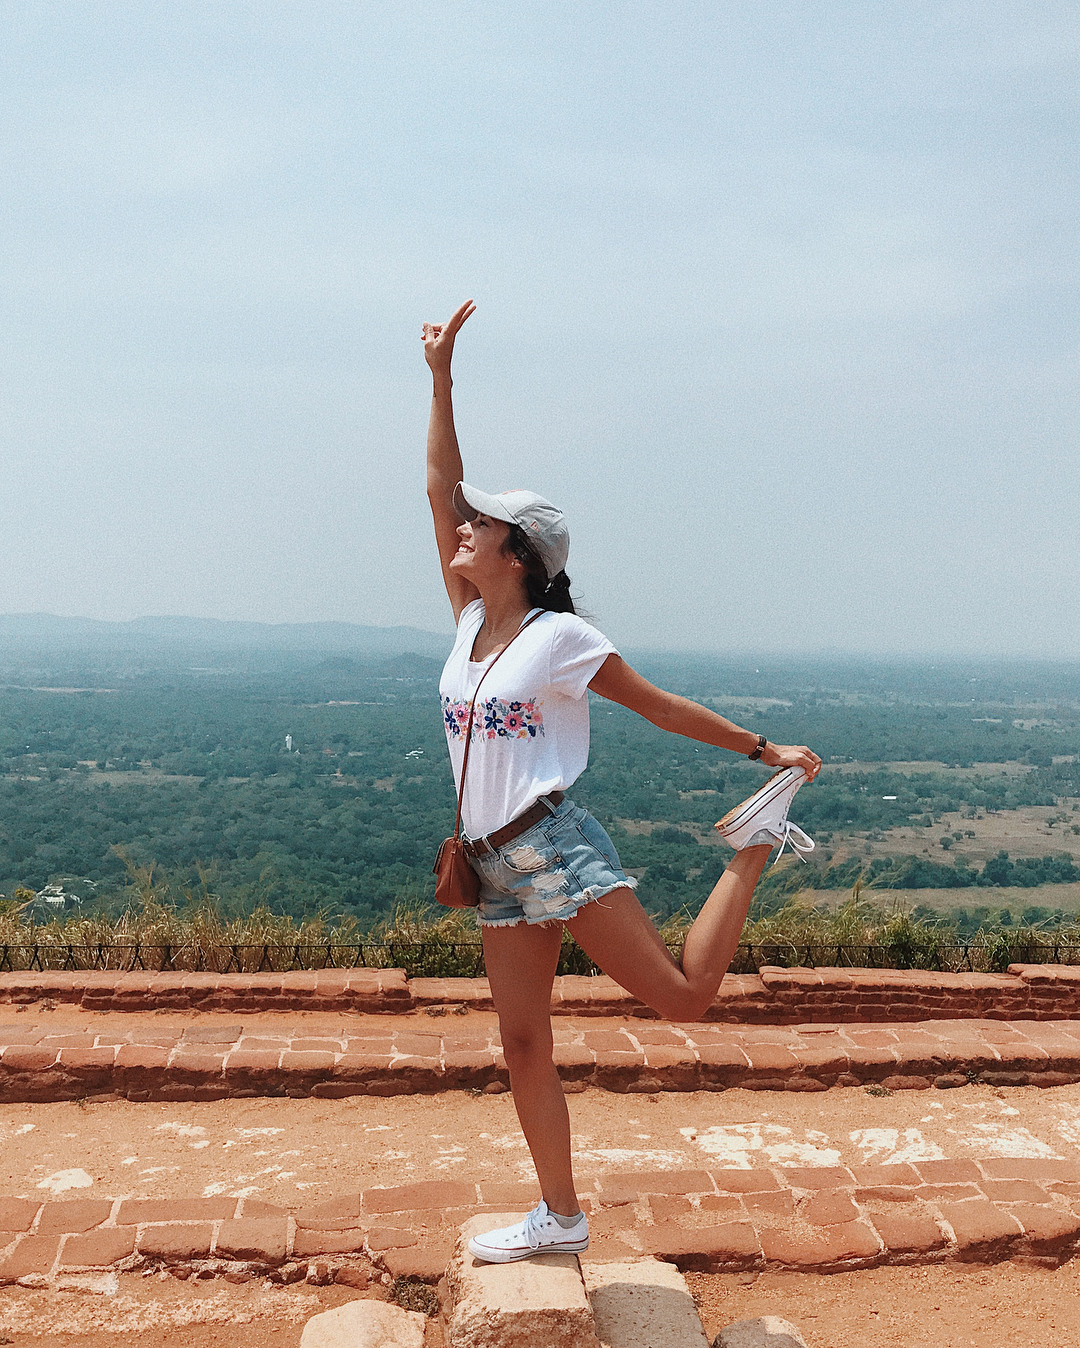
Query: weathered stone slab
point(364, 1324)
point(536, 1301)
point(768, 1331)
point(642, 1301)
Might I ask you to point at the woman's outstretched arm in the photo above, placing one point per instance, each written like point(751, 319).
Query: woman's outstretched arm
point(443, 455)
point(616, 681)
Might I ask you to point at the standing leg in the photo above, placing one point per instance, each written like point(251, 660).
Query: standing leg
point(618, 935)
point(521, 962)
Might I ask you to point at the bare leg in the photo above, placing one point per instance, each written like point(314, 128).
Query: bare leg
point(521, 963)
point(617, 934)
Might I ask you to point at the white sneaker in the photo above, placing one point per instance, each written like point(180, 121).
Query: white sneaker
point(539, 1233)
point(762, 817)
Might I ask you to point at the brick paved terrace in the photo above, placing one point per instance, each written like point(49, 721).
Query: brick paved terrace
point(68, 1053)
point(808, 1218)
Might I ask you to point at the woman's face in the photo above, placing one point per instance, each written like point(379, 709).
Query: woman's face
point(482, 551)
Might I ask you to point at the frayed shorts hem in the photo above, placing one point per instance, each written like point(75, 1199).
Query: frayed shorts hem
point(590, 895)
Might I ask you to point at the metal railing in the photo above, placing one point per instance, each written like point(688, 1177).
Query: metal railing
point(444, 959)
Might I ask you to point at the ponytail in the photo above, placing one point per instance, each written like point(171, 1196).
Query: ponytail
point(553, 594)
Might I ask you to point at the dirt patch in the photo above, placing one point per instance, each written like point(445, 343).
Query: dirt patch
point(936, 1306)
point(160, 1312)
point(1022, 833)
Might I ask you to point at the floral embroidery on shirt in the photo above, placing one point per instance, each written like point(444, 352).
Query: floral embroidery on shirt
point(494, 719)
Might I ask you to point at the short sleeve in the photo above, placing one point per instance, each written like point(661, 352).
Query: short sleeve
point(577, 652)
point(469, 612)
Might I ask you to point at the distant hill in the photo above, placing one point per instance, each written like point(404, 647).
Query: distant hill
point(45, 632)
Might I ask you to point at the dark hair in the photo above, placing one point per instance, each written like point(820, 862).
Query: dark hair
point(551, 594)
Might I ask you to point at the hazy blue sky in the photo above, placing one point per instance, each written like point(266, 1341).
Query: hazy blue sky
point(777, 300)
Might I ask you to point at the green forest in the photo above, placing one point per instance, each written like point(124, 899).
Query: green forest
point(322, 783)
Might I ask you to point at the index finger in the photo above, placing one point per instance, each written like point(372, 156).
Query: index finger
point(459, 316)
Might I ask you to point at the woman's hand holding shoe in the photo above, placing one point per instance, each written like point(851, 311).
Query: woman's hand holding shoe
point(792, 756)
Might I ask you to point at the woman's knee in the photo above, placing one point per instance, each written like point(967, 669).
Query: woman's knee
point(526, 1044)
point(681, 1004)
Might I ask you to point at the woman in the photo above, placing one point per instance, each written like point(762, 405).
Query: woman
point(543, 862)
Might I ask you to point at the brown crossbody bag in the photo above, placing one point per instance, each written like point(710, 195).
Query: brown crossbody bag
point(457, 885)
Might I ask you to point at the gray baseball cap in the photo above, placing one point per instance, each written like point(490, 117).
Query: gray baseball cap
point(544, 523)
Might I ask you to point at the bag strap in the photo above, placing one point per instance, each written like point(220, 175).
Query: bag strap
point(472, 711)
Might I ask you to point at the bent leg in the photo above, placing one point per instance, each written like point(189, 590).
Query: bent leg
point(618, 935)
point(521, 962)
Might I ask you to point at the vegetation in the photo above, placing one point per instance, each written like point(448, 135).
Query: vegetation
point(321, 786)
point(160, 928)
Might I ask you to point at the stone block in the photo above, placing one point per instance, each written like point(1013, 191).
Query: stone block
point(1047, 1229)
point(78, 1214)
point(32, 1255)
point(829, 1207)
point(830, 1246)
point(138, 1211)
point(948, 1172)
point(424, 1262)
point(254, 1238)
point(642, 1301)
point(337, 1214)
point(908, 1233)
point(98, 1249)
point(729, 1245)
point(308, 1243)
point(744, 1181)
point(184, 1240)
point(364, 1324)
point(381, 1238)
point(424, 1194)
point(17, 1214)
point(768, 1331)
point(534, 1301)
point(980, 1228)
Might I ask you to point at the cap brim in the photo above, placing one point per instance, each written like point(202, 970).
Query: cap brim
point(471, 501)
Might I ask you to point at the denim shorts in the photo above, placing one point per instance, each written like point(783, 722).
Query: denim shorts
point(550, 871)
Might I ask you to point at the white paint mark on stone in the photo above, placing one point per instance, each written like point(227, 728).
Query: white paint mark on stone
point(212, 1190)
point(257, 1132)
point(510, 1142)
point(734, 1145)
point(891, 1146)
point(651, 1160)
point(198, 1146)
point(129, 1160)
point(62, 1180)
point(794, 1153)
point(996, 1140)
point(181, 1129)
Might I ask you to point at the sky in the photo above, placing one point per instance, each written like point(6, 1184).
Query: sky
point(776, 300)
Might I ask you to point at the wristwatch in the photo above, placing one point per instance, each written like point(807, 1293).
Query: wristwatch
point(761, 743)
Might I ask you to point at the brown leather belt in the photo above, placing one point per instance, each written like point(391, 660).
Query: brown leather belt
point(478, 847)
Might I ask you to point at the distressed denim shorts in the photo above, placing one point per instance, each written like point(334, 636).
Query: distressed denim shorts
point(550, 871)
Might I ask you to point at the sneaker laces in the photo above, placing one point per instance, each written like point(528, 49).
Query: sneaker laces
point(788, 830)
point(533, 1225)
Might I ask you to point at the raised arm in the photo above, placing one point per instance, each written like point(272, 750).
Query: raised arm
point(616, 681)
point(443, 455)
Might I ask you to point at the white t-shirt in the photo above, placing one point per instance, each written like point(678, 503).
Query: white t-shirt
point(531, 729)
